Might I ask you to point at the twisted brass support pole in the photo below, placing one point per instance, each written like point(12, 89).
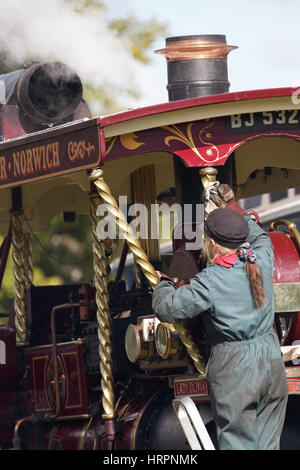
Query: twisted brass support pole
point(133, 243)
point(142, 259)
point(28, 267)
point(103, 315)
point(19, 280)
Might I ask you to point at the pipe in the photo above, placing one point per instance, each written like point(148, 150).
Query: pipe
point(19, 423)
point(197, 65)
point(46, 92)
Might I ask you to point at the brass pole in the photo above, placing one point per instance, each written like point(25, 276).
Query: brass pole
point(28, 271)
point(103, 314)
point(19, 278)
point(141, 258)
point(208, 175)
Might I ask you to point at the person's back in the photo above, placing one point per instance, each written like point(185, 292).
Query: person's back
point(245, 371)
point(234, 315)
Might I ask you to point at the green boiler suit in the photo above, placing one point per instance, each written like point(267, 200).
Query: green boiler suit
point(245, 370)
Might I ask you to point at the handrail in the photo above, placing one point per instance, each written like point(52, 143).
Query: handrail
point(192, 424)
point(292, 230)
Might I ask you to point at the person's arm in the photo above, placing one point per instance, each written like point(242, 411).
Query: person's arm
point(172, 304)
point(258, 238)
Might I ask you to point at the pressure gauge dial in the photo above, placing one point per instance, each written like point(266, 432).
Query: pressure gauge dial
point(167, 343)
point(135, 346)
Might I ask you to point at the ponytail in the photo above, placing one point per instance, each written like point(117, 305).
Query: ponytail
point(256, 282)
point(245, 254)
point(248, 256)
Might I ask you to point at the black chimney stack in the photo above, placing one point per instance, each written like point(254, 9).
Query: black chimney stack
point(197, 66)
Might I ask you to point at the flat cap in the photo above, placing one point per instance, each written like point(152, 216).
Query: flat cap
point(226, 227)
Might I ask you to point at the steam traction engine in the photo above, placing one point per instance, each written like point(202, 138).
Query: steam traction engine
point(88, 366)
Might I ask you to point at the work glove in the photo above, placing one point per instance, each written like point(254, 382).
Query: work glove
point(217, 195)
point(210, 196)
point(175, 280)
point(222, 195)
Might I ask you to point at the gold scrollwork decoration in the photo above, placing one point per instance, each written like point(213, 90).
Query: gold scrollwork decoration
point(188, 140)
point(202, 145)
point(212, 154)
point(181, 137)
point(78, 150)
point(203, 136)
point(128, 141)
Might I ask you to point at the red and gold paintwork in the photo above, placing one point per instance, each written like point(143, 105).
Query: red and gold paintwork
point(198, 142)
point(73, 384)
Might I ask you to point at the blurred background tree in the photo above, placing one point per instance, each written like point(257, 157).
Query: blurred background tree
point(62, 252)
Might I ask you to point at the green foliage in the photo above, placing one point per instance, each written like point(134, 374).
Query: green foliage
point(61, 255)
point(64, 249)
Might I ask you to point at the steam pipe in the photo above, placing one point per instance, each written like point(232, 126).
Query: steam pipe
point(197, 65)
point(46, 92)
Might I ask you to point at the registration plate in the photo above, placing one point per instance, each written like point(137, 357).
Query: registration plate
point(294, 386)
point(193, 387)
point(293, 380)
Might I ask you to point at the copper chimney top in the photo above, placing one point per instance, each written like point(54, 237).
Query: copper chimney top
point(197, 65)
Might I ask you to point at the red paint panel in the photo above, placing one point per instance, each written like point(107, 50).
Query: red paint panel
point(72, 380)
point(287, 267)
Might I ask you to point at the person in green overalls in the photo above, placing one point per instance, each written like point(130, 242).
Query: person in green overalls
point(234, 295)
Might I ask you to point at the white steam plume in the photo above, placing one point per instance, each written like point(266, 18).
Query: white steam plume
point(51, 30)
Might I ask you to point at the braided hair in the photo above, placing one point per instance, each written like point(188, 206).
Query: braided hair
point(245, 254)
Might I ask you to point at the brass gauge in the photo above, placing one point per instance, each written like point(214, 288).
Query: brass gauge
point(167, 344)
point(135, 346)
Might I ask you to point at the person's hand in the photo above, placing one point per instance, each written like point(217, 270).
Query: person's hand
point(217, 195)
point(221, 195)
point(226, 194)
point(209, 196)
point(162, 276)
